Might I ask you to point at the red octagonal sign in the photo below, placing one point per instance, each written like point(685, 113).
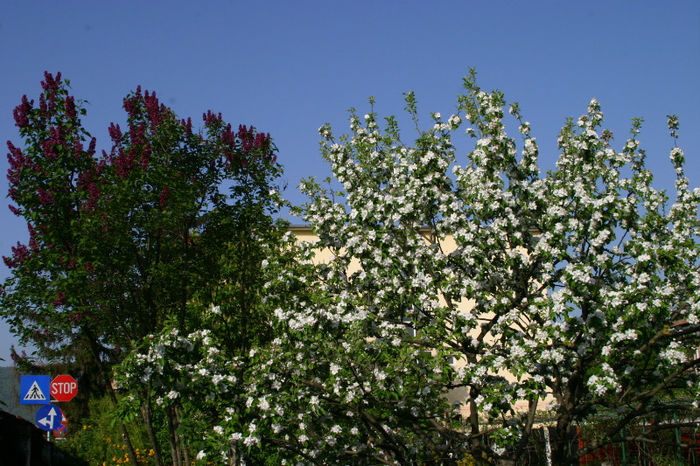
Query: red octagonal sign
point(63, 388)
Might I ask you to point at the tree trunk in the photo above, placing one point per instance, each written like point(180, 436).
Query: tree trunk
point(180, 441)
point(564, 446)
point(112, 395)
point(174, 450)
point(147, 417)
point(122, 427)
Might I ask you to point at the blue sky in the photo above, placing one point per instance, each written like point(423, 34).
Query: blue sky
point(288, 67)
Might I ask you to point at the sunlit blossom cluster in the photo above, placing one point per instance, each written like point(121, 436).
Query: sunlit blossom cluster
point(571, 292)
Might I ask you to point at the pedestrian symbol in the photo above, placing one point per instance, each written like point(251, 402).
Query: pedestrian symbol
point(35, 389)
point(34, 393)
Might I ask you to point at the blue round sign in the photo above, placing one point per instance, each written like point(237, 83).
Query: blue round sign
point(49, 417)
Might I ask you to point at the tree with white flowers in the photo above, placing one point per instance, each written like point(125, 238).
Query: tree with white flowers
point(574, 292)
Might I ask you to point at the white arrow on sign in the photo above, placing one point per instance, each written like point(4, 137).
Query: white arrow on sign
point(48, 420)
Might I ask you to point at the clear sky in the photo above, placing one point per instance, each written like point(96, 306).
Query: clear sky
point(289, 66)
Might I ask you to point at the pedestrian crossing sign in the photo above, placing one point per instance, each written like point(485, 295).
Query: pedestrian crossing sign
point(35, 390)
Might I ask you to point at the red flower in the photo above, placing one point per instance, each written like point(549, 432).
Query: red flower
point(43, 107)
point(77, 148)
point(60, 300)
point(246, 137)
point(145, 156)
point(155, 111)
point(45, 197)
point(115, 133)
point(50, 82)
point(19, 255)
point(164, 197)
point(21, 112)
point(91, 147)
point(209, 117)
point(188, 125)
point(70, 107)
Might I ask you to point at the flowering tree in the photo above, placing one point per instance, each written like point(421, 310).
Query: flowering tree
point(200, 374)
point(121, 245)
point(463, 296)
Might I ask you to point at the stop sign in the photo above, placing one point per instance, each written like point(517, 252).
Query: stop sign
point(63, 388)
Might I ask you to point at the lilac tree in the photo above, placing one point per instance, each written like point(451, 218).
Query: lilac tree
point(124, 244)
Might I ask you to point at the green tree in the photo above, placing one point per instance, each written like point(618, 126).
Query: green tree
point(121, 245)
